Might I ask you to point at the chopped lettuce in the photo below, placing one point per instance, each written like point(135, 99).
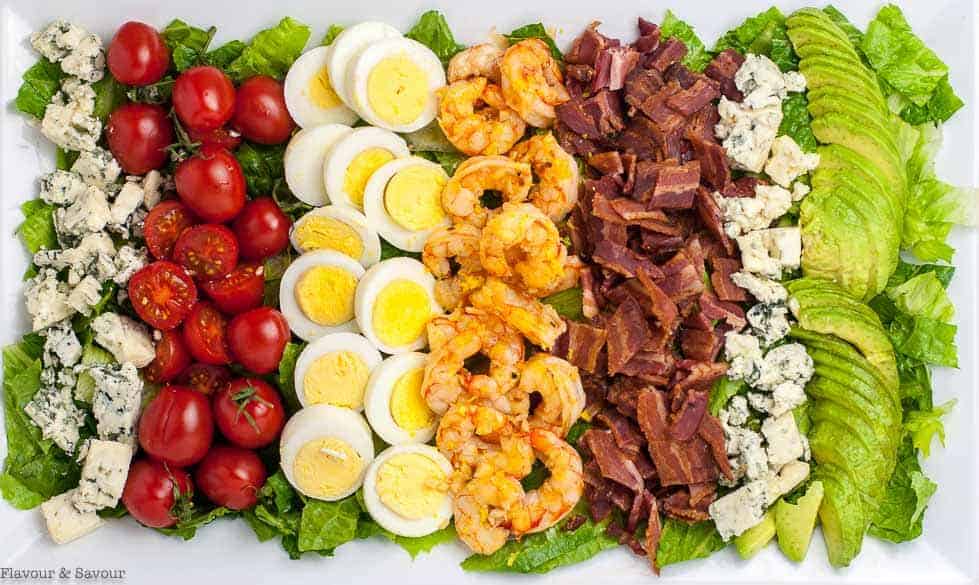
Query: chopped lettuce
point(797, 123)
point(762, 34)
point(925, 425)
point(681, 541)
point(901, 513)
point(567, 303)
point(271, 51)
point(331, 34)
point(721, 393)
point(224, 55)
point(40, 84)
point(389, 250)
point(37, 229)
point(923, 295)
point(326, 525)
point(186, 528)
point(109, 95)
point(433, 31)
point(156, 93)
point(187, 43)
point(697, 56)
point(287, 368)
point(853, 33)
point(535, 31)
point(925, 339)
point(262, 166)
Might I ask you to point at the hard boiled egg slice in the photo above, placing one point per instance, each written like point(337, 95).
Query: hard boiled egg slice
point(304, 158)
point(325, 451)
point(310, 97)
point(353, 159)
point(392, 84)
point(334, 369)
point(317, 294)
point(337, 228)
point(406, 490)
point(348, 45)
point(395, 300)
point(403, 201)
point(394, 404)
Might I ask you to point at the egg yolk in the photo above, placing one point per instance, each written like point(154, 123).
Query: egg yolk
point(360, 170)
point(327, 467)
point(326, 295)
point(408, 407)
point(321, 91)
point(317, 233)
point(412, 486)
point(401, 312)
point(413, 197)
point(338, 378)
point(397, 89)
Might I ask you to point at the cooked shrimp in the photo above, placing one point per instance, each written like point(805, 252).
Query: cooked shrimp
point(476, 61)
point(557, 174)
point(476, 119)
point(520, 241)
point(475, 176)
point(445, 374)
point(538, 322)
point(569, 277)
point(557, 496)
point(558, 384)
point(482, 511)
point(463, 422)
point(458, 243)
point(532, 83)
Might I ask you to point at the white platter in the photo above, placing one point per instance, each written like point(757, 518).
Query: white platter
point(228, 551)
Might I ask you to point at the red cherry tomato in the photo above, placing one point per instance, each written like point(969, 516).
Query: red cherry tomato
point(162, 294)
point(205, 378)
point(257, 339)
point(157, 495)
point(177, 427)
point(206, 335)
point(138, 136)
point(172, 358)
point(231, 477)
point(137, 54)
point(260, 111)
point(204, 98)
point(249, 413)
point(262, 229)
point(212, 184)
point(219, 137)
point(207, 251)
point(164, 224)
point(238, 291)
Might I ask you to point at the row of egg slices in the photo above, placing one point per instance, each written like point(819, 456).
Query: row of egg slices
point(327, 453)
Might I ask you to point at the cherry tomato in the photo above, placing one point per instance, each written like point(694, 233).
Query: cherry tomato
point(205, 378)
point(157, 495)
point(257, 339)
point(219, 137)
point(238, 291)
point(212, 184)
point(207, 251)
point(262, 229)
point(260, 111)
point(231, 477)
point(249, 413)
point(172, 358)
point(164, 224)
point(137, 54)
point(204, 98)
point(162, 294)
point(177, 427)
point(206, 335)
point(138, 136)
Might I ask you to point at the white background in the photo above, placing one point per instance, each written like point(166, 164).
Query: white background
point(227, 550)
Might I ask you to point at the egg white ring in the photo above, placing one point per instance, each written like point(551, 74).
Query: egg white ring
point(332, 343)
point(347, 45)
point(323, 421)
point(344, 151)
point(374, 281)
point(300, 105)
point(375, 207)
point(358, 75)
point(304, 158)
point(377, 400)
point(357, 222)
point(381, 513)
point(300, 324)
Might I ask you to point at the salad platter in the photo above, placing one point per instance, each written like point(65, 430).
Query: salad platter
point(419, 292)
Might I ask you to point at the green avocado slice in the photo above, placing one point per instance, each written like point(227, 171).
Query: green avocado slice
point(802, 21)
point(751, 541)
point(837, 175)
point(841, 514)
point(844, 68)
point(871, 140)
point(819, 76)
point(836, 158)
point(832, 228)
point(795, 523)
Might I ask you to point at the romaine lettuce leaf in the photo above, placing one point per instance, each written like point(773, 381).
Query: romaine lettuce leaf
point(262, 166)
point(721, 393)
point(535, 31)
point(187, 528)
point(271, 51)
point(284, 379)
point(923, 295)
point(940, 107)
point(797, 123)
point(762, 34)
point(40, 84)
point(109, 94)
point(901, 512)
point(567, 303)
point(326, 525)
point(37, 229)
point(187, 43)
point(697, 56)
point(681, 542)
point(433, 31)
point(331, 34)
point(925, 425)
point(224, 55)
point(925, 339)
point(414, 546)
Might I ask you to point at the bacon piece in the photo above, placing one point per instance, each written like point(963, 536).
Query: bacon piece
point(606, 110)
point(613, 461)
point(741, 187)
point(668, 53)
point(681, 280)
point(701, 375)
point(653, 414)
point(713, 160)
point(693, 98)
point(653, 532)
point(626, 435)
point(629, 331)
point(712, 433)
point(685, 422)
point(586, 47)
point(638, 139)
point(612, 67)
point(676, 186)
point(710, 214)
point(624, 394)
point(574, 142)
point(622, 260)
point(722, 70)
point(720, 279)
point(683, 462)
point(722, 310)
point(607, 163)
point(583, 344)
point(577, 118)
point(649, 35)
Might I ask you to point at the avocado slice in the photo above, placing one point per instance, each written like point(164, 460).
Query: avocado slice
point(819, 75)
point(802, 21)
point(832, 228)
point(845, 68)
point(795, 523)
point(851, 178)
point(841, 514)
point(858, 439)
point(834, 158)
point(835, 93)
point(809, 40)
point(882, 232)
point(832, 441)
point(757, 537)
point(862, 112)
point(836, 51)
point(871, 140)
point(829, 391)
point(85, 384)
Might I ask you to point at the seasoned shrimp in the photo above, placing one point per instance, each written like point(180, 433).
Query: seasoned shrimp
point(557, 173)
point(532, 83)
point(482, 511)
point(538, 322)
point(557, 496)
point(558, 384)
point(476, 119)
point(445, 375)
point(475, 176)
point(458, 243)
point(569, 277)
point(520, 241)
point(476, 61)
point(463, 422)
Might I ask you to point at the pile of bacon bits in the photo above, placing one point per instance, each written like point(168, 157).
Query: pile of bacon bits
point(652, 236)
